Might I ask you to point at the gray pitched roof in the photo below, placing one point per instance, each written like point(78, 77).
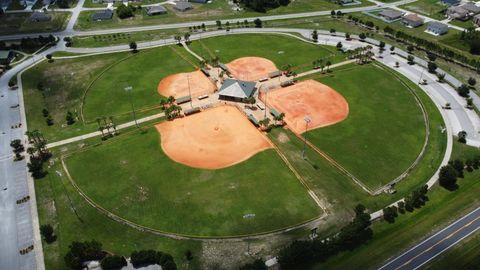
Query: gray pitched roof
point(182, 6)
point(391, 14)
point(438, 27)
point(156, 10)
point(237, 88)
point(102, 15)
point(471, 7)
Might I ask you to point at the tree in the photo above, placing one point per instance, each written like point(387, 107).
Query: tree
point(382, 46)
point(124, 12)
point(35, 167)
point(133, 46)
point(80, 252)
point(46, 231)
point(347, 36)
point(178, 39)
point(411, 59)
point(70, 118)
point(49, 58)
point(448, 177)
point(339, 13)
point(432, 57)
point(472, 81)
point(389, 214)
point(258, 23)
point(463, 91)
point(219, 24)
point(279, 118)
point(188, 255)
point(362, 36)
point(258, 264)
point(113, 262)
point(432, 67)
point(410, 48)
point(147, 257)
point(458, 165)
point(315, 35)
point(441, 77)
point(186, 37)
point(392, 49)
point(339, 45)
point(333, 31)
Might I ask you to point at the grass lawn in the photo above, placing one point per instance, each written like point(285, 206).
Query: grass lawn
point(430, 8)
point(389, 240)
point(220, 9)
point(280, 49)
point(339, 192)
point(378, 140)
point(56, 200)
point(143, 71)
point(139, 182)
point(464, 24)
point(125, 38)
point(16, 23)
point(66, 80)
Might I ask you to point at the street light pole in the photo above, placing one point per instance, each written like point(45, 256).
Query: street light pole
point(189, 91)
point(129, 90)
point(307, 120)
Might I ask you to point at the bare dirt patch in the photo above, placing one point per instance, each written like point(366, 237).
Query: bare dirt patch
point(178, 85)
point(323, 105)
point(251, 68)
point(213, 139)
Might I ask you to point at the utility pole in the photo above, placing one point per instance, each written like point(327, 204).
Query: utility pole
point(129, 90)
point(307, 120)
point(189, 91)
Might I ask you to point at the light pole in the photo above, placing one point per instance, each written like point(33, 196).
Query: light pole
point(248, 216)
point(307, 120)
point(189, 91)
point(129, 90)
point(421, 74)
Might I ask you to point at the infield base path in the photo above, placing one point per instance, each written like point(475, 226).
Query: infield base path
point(251, 68)
point(212, 139)
point(322, 104)
point(177, 85)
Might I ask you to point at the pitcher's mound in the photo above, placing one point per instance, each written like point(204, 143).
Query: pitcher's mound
point(251, 68)
point(213, 139)
point(323, 105)
point(177, 85)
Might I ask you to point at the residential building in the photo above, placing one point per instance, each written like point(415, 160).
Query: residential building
point(450, 2)
point(457, 13)
point(391, 15)
point(6, 56)
point(437, 28)
point(412, 20)
point(471, 8)
point(102, 15)
point(476, 19)
point(156, 10)
point(40, 17)
point(183, 6)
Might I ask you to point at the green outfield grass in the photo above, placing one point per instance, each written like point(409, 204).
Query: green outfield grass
point(74, 219)
point(143, 71)
point(137, 181)
point(409, 229)
point(280, 49)
point(379, 139)
point(67, 80)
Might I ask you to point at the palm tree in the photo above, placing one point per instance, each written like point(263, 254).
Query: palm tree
point(279, 118)
point(106, 125)
point(114, 126)
point(328, 64)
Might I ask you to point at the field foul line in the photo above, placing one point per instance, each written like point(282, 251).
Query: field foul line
point(302, 181)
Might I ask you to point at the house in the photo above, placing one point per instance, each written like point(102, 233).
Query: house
point(40, 17)
point(391, 15)
point(346, 2)
point(471, 8)
point(436, 28)
point(450, 2)
point(476, 19)
point(457, 13)
point(412, 20)
point(156, 10)
point(183, 6)
point(6, 56)
point(236, 90)
point(102, 15)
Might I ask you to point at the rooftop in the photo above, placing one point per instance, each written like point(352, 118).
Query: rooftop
point(237, 88)
point(413, 17)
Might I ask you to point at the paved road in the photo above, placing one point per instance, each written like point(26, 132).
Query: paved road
point(18, 222)
point(436, 244)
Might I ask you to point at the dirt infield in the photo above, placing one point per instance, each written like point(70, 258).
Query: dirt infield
point(177, 85)
point(251, 68)
point(322, 104)
point(213, 139)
